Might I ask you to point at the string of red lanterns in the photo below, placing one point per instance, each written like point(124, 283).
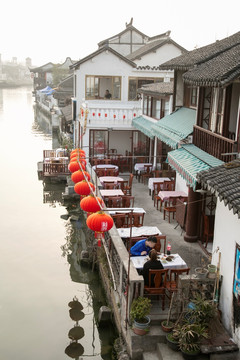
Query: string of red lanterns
point(99, 221)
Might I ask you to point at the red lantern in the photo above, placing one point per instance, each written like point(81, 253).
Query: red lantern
point(91, 204)
point(93, 114)
point(134, 114)
point(99, 114)
point(114, 116)
point(78, 176)
point(83, 188)
point(105, 115)
point(124, 116)
point(99, 222)
point(74, 166)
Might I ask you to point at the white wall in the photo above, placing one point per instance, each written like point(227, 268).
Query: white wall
point(181, 184)
point(162, 54)
point(226, 235)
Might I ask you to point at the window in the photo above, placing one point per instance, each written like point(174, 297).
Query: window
point(96, 87)
point(193, 98)
point(136, 83)
point(216, 110)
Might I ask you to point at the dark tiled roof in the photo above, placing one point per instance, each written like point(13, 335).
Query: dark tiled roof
point(218, 71)
point(224, 182)
point(161, 88)
point(152, 46)
point(129, 27)
point(99, 51)
point(205, 53)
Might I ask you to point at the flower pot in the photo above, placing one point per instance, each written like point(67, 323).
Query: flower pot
point(212, 271)
point(167, 327)
point(189, 355)
point(201, 272)
point(172, 343)
point(141, 328)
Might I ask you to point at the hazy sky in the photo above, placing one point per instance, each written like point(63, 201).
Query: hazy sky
point(51, 30)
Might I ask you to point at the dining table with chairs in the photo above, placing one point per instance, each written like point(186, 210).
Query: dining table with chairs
point(138, 231)
point(165, 195)
point(174, 261)
point(156, 180)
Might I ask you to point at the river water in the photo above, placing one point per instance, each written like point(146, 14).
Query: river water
point(39, 274)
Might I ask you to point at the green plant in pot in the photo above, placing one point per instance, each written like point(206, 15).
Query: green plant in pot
point(173, 340)
point(140, 309)
point(190, 335)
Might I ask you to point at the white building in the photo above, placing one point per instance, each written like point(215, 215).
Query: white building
point(122, 64)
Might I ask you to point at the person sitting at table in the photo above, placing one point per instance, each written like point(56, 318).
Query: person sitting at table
point(152, 263)
point(143, 247)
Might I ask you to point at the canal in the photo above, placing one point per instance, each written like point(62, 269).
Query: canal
point(39, 270)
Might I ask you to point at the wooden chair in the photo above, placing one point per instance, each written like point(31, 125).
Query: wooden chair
point(114, 201)
point(146, 174)
point(110, 172)
point(161, 239)
point(122, 184)
point(159, 277)
point(107, 161)
point(136, 219)
point(133, 240)
point(100, 172)
point(120, 220)
point(109, 185)
point(172, 283)
point(170, 208)
point(156, 188)
point(208, 228)
point(128, 188)
point(170, 185)
point(127, 201)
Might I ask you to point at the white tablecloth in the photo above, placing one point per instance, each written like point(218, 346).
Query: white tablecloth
point(105, 166)
point(126, 210)
point(164, 195)
point(111, 192)
point(176, 263)
point(138, 167)
point(139, 231)
point(114, 179)
point(157, 180)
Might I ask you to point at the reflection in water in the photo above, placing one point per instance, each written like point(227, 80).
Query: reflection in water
point(75, 349)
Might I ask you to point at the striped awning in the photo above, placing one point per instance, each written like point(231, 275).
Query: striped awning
point(175, 127)
point(144, 125)
point(189, 160)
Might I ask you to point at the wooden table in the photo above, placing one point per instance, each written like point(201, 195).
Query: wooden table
point(176, 263)
point(105, 166)
point(156, 180)
point(138, 167)
point(111, 192)
point(165, 195)
point(127, 210)
point(114, 179)
point(139, 231)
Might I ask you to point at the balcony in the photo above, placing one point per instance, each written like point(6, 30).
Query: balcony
point(111, 114)
point(214, 144)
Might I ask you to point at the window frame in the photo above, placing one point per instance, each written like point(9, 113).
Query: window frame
point(97, 83)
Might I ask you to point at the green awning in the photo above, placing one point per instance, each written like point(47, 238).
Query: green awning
point(175, 127)
point(144, 125)
point(189, 160)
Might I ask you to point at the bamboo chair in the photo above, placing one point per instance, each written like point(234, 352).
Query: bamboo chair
point(159, 277)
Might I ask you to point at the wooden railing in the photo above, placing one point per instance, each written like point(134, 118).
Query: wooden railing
point(53, 169)
point(213, 144)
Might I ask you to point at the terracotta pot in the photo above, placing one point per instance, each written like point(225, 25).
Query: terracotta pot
point(167, 327)
point(141, 328)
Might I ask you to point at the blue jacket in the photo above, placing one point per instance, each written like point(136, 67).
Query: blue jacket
point(139, 247)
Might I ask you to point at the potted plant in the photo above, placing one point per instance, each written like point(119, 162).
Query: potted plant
point(168, 325)
point(173, 340)
point(190, 335)
point(140, 309)
point(201, 272)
